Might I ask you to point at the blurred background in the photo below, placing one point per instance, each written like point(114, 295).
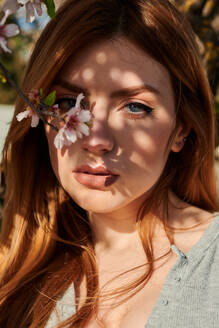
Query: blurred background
point(202, 14)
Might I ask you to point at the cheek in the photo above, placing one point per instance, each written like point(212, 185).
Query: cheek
point(149, 145)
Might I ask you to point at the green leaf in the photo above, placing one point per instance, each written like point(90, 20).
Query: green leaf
point(41, 92)
point(50, 99)
point(51, 10)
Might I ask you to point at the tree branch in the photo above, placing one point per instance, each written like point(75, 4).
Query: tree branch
point(25, 98)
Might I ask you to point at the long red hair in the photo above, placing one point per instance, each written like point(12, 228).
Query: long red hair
point(46, 241)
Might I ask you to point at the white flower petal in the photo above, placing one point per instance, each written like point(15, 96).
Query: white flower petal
point(38, 8)
point(71, 111)
point(30, 13)
point(70, 135)
point(84, 116)
point(11, 5)
point(78, 100)
point(23, 2)
point(35, 120)
point(79, 134)
point(3, 44)
point(67, 142)
point(23, 115)
point(7, 13)
point(59, 139)
point(11, 30)
point(83, 128)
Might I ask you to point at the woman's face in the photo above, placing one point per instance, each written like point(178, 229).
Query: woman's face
point(132, 104)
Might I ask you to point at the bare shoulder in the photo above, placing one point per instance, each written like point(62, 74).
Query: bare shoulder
point(185, 215)
point(196, 223)
point(196, 215)
point(190, 223)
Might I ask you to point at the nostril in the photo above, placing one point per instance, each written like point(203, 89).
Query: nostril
point(97, 148)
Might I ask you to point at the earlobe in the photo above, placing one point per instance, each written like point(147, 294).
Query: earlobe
point(179, 140)
point(178, 145)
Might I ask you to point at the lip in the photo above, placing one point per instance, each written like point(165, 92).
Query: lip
point(95, 177)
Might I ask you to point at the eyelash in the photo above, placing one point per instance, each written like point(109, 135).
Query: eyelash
point(144, 109)
point(69, 98)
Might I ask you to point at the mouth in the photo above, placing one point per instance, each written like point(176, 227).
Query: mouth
point(96, 178)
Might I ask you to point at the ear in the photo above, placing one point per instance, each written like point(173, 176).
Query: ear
point(179, 139)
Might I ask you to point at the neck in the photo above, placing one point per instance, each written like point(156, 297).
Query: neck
point(116, 230)
point(110, 233)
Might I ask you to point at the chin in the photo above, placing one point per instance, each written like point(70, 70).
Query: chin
point(100, 202)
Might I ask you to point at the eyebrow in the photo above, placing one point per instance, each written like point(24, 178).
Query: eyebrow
point(115, 94)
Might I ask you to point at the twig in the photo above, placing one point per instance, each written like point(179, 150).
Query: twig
point(25, 98)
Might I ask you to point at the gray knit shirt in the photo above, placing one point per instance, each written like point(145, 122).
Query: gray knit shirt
point(190, 296)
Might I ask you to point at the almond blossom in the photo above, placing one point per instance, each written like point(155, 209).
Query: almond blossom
point(75, 126)
point(46, 105)
point(7, 31)
point(34, 97)
point(29, 113)
point(72, 125)
point(32, 7)
point(34, 117)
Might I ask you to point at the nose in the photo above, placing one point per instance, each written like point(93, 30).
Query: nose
point(100, 139)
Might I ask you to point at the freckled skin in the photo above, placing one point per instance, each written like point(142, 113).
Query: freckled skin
point(129, 145)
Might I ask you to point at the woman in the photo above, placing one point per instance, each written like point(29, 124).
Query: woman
point(118, 229)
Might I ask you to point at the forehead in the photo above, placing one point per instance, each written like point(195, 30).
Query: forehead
point(115, 63)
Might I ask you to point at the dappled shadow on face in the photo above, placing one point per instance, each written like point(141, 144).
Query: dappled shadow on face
point(129, 140)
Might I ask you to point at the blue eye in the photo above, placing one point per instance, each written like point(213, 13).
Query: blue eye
point(136, 107)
